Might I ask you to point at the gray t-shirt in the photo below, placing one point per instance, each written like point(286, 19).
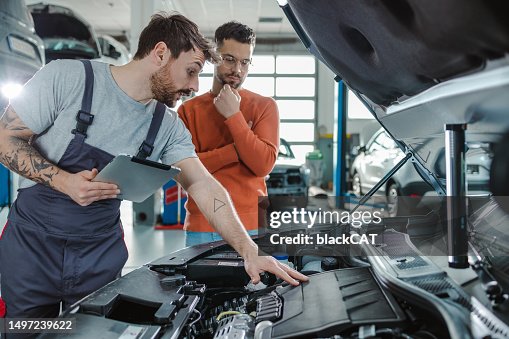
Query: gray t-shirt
point(51, 99)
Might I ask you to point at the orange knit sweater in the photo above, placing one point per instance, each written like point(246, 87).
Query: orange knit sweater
point(239, 157)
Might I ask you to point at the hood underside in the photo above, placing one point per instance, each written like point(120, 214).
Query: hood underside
point(54, 23)
point(417, 65)
point(390, 49)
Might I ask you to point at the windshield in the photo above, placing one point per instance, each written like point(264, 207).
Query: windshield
point(69, 49)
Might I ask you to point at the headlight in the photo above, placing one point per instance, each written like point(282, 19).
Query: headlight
point(11, 90)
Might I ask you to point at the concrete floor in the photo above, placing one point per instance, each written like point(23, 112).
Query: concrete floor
point(145, 243)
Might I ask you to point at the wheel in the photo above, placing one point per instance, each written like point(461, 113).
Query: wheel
point(393, 203)
point(356, 185)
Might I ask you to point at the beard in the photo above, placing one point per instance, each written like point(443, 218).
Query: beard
point(234, 83)
point(164, 89)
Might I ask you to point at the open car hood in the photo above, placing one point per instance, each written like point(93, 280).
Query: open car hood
point(64, 31)
point(417, 65)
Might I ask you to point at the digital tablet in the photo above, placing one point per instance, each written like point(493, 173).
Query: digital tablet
point(136, 178)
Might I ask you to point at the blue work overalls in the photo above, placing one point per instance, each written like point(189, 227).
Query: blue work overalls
point(53, 250)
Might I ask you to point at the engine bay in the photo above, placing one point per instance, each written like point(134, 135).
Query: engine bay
point(390, 290)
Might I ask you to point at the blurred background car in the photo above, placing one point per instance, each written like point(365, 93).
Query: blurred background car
point(66, 34)
point(289, 178)
point(21, 50)
point(113, 51)
point(21, 55)
point(375, 159)
point(381, 154)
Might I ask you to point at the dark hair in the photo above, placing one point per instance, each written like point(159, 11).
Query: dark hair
point(178, 33)
point(235, 30)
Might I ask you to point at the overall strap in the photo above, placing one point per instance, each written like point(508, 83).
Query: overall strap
point(147, 146)
point(84, 118)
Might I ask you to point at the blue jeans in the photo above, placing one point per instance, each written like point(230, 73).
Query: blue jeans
point(195, 238)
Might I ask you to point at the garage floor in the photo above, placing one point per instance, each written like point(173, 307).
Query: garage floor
point(144, 243)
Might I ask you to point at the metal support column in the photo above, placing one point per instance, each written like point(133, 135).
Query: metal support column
point(340, 147)
point(456, 197)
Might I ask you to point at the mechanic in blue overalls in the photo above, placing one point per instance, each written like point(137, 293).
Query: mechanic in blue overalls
point(63, 238)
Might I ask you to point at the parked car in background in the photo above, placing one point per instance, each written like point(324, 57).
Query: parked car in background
point(113, 51)
point(21, 50)
point(289, 178)
point(66, 34)
point(381, 154)
point(375, 159)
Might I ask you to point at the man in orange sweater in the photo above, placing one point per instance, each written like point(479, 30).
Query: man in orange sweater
point(235, 133)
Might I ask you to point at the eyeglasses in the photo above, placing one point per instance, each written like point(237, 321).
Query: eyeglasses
point(231, 62)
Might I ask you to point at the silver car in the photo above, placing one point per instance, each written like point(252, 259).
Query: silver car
point(381, 154)
point(66, 34)
point(21, 50)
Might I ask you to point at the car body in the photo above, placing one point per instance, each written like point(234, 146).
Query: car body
point(21, 50)
point(66, 34)
point(113, 51)
point(288, 178)
point(421, 67)
point(21, 55)
point(375, 160)
point(381, 153)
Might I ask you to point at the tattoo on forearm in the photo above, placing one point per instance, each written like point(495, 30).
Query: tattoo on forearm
point(20, 156)
point(218, 204)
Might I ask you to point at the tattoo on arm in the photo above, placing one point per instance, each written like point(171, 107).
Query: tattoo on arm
point(19, 155)
point(218, 204)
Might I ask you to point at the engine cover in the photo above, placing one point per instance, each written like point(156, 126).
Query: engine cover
point(328, 304)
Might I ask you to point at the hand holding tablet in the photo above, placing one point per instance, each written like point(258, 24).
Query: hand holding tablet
point(136, 178)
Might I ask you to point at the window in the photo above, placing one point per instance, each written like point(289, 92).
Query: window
point(297, 131)
point(382, 143)
point(291, 81)
point(262, 64)
point(356, 109)
point(386, 141)
point(261, 85)
point(295, 87)
point(295, 64)
point(296, 109)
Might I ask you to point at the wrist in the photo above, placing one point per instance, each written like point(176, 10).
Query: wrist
point(248, 249)
point(60, 181)
point(231, 114)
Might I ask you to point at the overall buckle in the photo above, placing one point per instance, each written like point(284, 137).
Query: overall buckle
point(84, 119)
point(145, 150)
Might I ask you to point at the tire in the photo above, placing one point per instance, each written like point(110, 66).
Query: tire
point(356, 185)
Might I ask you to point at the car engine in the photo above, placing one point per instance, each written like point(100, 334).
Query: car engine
point(390, 290)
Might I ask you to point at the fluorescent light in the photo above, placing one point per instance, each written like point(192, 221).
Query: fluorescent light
point(11, 90)
point(282, 2)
